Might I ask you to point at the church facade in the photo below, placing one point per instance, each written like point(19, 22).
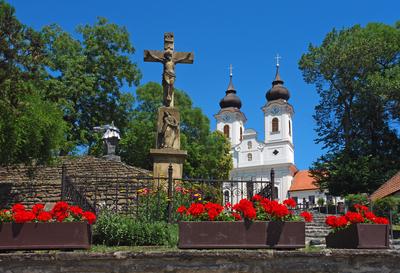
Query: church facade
point(254, 159)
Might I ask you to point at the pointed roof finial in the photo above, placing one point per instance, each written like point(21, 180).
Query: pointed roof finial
point(278, 79)
point(278, 91)
point(277, 57)
point(230, 99)
point(231, 88)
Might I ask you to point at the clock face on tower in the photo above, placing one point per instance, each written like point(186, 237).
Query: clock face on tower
point(226, 118)
point(275, 111)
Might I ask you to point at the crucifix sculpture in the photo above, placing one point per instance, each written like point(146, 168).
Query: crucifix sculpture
point(168, 58)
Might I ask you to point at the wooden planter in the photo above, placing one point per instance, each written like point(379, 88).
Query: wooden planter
point(360, 236)
point(210, 234)
point(74, 235)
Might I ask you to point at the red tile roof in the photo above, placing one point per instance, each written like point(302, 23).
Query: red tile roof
point(303, 181)
point(389, 187)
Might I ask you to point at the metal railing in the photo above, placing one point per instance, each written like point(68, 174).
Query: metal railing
point(154, 198)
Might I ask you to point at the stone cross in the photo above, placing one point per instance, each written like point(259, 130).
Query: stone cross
point(168, 58)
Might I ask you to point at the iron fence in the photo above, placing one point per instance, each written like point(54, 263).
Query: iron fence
point(154, 198)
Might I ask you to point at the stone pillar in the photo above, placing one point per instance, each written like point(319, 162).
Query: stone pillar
point(163, 157)
point(168, 144)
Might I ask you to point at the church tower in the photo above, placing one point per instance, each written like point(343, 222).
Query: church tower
point(230, 120)
point(278, 115)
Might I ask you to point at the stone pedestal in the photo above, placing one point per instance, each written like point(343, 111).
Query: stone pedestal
point(163, 157)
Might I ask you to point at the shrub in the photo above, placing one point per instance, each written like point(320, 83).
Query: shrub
point(352, 199)
point(116, 230)
point(384, 205)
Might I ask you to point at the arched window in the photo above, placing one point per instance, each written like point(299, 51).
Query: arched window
point(249, 157)
point(290, 128)
point(241, 133)
point(226, 131)
point(275, 125)
point(249, 145)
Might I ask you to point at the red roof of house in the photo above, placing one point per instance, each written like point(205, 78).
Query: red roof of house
point(303, 181)
point(389, 187)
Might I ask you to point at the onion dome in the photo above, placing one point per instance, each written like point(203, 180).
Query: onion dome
point(278, 91)
point(230, 99)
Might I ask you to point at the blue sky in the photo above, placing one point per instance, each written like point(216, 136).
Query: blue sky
point(246, 34)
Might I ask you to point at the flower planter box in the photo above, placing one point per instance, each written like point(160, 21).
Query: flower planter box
point(360, 236)
point(74, 235)
point(210, 234)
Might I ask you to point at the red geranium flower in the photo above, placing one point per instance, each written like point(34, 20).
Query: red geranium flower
point(341, 221)
point(60, 211)
point(37, 208)
point(213, 210)
point(18, 207)
point(24, 216)
point(196, 209)
point(89, 216)
point(76, 210)
point(246, 207)
point(291, 203)
point(381, 220)
point(182, 209)
point(330, 221)
point(370, 216)
point(237, 216)
point(308, 217)
point(44, 216)
point(354, 217)
point(361, 208)
point(257, 197)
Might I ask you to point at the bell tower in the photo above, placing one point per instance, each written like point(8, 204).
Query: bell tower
point(278, 116)
point(230, 120)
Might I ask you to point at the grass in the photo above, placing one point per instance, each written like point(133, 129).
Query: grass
point(148, 249)
point(311, 249)
point(396, 227)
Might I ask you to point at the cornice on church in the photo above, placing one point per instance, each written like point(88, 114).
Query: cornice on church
point(239, 114)
point(281, 103)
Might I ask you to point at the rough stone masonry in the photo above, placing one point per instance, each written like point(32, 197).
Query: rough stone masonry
point(221, 261)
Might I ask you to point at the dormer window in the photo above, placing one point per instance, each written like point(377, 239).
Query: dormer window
point(275, 125)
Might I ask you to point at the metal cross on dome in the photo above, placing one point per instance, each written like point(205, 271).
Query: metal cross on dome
point(230, 70)
point(277, 57)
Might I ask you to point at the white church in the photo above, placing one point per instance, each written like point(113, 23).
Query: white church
point(253, 159)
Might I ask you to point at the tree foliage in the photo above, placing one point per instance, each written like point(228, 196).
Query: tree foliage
point(55, 88)
point(357, 76)
point(31, 128)
point(88, 76)
point(208, 153)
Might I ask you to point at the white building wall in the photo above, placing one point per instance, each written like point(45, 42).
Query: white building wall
point(306, 195)
point(235, 122)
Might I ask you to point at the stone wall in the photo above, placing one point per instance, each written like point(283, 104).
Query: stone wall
point(382, 261)
point(19, 183)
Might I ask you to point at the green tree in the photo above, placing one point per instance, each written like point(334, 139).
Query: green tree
point(88, 76)
point(31, 128)
point(356, 73)
point(208, 153)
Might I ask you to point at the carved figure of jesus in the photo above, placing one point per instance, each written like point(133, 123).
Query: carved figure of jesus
point(168, 58)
